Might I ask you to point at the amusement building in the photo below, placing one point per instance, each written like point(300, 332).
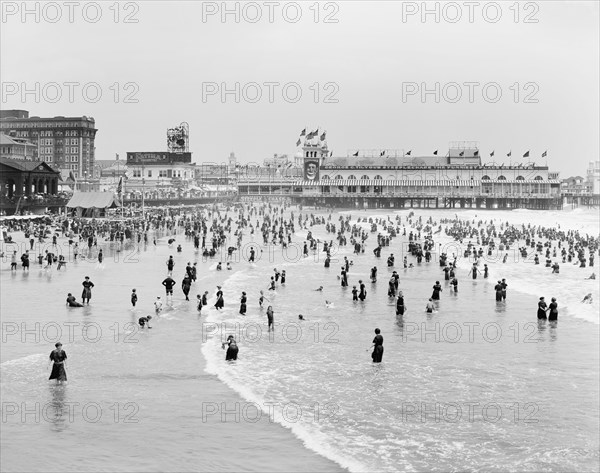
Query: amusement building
point(395, 179)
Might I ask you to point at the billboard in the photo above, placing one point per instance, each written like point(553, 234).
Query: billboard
point(311, 169)
point(159, 157)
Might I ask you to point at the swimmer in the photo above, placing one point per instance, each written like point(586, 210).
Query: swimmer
point(261, 299)
point(592, 276)
point(158, 305)
point(430, 306)
point(329, 305)
point(232, 348)
point(229, 265)
point(301, 317)
point(144, 321)
point(588, 298)
point(71, 302)
point(320, 288)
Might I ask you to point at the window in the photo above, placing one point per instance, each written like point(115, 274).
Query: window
point(538, 178)
point(339, 177)
point(137, 173)
point(325, 177)
point(149, 172)
point(74, 159)
point(520, 178)
point(485, 178)
point(162, 173)
point(378, 177)
point(501, 178)
point(351, 176)
point(73, 149)
point(365, 177)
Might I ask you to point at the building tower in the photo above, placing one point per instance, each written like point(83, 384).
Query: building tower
point(232, 161)
point(314, 152)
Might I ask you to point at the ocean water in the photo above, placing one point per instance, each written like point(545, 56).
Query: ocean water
point(475, 385)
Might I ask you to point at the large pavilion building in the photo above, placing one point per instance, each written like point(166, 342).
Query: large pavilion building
point(394, 179)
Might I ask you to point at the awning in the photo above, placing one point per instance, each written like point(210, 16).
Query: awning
point(391, 183)
point(92, 200)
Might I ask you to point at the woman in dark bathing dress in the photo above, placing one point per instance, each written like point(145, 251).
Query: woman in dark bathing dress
point(377, 354)
point(437, 288)
point(400, 307)
point(553, 310)
point(542, 308)
point(232, 349)
point(87, 290)
point(58, 356)
point(220, 303)
point(243, 301)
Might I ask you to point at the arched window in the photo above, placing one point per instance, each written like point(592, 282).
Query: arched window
point(391, 177)
point(325, 177)
point(538, 178)
point(520, 178)
point(501, 178)
point(485, 178)
point(378, 177)
point(365, 177)
point(351, 176)
point(338, 177)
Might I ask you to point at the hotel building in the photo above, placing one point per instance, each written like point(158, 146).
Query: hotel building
point(65, 143)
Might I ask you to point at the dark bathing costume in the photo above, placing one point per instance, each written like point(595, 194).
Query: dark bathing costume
point(58, 368)
point(377, 354)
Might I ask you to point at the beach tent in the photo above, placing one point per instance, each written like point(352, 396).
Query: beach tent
point(92, 204)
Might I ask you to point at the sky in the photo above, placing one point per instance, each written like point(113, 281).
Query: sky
point(511, 76)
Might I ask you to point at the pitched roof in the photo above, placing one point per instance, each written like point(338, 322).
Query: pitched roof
point(25, 165)
point(92, 200)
